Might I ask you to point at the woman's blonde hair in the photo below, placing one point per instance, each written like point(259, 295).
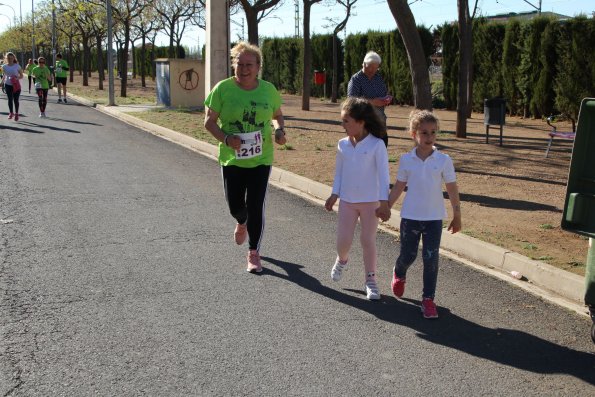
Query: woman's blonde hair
point(419, 116)
point(243, 47)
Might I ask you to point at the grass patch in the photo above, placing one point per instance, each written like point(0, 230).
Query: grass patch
point(546, 226)
point(529, 247)
point(470, 233)
point(392, 159)
point(287, 146)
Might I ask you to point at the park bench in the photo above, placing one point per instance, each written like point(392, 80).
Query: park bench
point(556, 134)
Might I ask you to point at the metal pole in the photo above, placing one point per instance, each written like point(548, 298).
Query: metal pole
point(22, 44)
point(110, 55)
point(590, 283)
point(32, 30)
point(53, 33)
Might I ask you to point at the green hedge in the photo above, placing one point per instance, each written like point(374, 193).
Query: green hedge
point(541, 66)
point(283, 61)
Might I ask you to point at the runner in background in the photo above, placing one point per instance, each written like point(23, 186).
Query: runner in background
point(12, 74)
point(61, 72)
point(28, 69)
point(42, 74)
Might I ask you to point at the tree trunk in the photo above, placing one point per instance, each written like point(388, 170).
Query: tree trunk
point(124, 76)
point(143, 61)
point(252, 22)
point(100, 68)
point(134, 65)
point(170, 51)
point(461, 127)
point(306, 79)
point(85, 43)
point(334, 79)
point(418, 65)
point(70, 62)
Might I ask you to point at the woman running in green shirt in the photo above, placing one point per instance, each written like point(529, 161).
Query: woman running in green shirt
point(42, 75)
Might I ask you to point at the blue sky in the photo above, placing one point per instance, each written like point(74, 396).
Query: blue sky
point(369, 14)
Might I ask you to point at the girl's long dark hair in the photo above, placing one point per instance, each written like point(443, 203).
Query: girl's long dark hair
point(361, 109)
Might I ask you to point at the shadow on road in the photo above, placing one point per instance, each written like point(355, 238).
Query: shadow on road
point(17, 127)
point(514, 348)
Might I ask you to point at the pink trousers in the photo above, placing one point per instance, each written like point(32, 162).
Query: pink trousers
point(348, 216)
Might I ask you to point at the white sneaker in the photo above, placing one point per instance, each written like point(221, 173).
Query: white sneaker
point(337, 270)
point(43, 115)
point(40, 115)
point(372, 292)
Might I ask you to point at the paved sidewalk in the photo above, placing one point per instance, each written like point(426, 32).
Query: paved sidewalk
point(550, 283)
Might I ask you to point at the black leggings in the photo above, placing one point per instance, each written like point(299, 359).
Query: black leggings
point(29, 78)
point(245, 192)
point(42, 93)
point(13, 97)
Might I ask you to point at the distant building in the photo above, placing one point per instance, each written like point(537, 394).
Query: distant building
point(526, 15)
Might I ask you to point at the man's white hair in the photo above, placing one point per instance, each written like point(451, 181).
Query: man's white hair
point(372, 57)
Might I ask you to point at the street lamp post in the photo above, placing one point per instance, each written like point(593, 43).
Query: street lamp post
point(32, 30)
point(14, 21)
point(110, 55)
point(53, 33)
point(9, 20)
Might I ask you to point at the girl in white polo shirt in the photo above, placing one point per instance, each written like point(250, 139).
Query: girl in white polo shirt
point(423, 170)
point(362, 183)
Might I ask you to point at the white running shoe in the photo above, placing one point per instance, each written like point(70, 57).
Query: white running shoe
point(337, 270)
point(372, 292)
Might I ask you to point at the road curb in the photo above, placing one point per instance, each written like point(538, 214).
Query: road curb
point(553, 283)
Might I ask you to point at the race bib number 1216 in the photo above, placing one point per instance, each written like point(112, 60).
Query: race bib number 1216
point(251, 145)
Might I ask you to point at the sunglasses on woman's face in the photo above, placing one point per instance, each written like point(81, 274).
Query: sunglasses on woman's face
point(41, 61)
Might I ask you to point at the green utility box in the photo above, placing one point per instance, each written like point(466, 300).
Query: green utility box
point(579, 207)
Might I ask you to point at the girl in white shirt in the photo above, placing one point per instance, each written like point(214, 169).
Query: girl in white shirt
point(423, 170)
point(362, 183)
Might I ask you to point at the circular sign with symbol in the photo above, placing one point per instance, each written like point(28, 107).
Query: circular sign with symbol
point(188, 79)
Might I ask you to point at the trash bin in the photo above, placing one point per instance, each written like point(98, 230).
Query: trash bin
point(494, 110)
point(319, 77)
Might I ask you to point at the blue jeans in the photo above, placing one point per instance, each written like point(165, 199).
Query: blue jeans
point(430, 232)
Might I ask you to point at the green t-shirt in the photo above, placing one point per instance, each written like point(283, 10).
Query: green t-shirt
point(243, 112)
point(30, 67)
point(42, 75)
point(61, 68)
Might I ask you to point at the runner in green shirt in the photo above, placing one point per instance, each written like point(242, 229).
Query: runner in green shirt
point(239, 114)
point(28, 69)
point(42, 75)
point(61, 72)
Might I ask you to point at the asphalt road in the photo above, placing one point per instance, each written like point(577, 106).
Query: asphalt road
point(119, 277)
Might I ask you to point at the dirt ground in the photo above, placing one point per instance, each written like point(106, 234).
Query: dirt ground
point(512, 196)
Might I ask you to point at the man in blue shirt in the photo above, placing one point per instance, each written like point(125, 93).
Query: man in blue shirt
point(368, 83)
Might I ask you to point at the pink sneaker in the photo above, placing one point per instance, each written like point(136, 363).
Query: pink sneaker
point(240, 234)
point(428, 308)
point(254, 265)
point(16, 117)
point(10, 115)
point(398, 285)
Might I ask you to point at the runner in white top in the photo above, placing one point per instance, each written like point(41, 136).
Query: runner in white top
point(422, 171)
point(362, 183)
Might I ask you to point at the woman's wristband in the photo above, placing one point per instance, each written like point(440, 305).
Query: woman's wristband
point(225, 139)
